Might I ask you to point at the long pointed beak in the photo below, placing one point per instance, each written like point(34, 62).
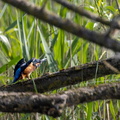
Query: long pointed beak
point(43, 60)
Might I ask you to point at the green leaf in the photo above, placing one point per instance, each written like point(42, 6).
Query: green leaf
point(11, 26)
point(89, 25)
point(111, 8)
point(5, 45)
point(9, 64)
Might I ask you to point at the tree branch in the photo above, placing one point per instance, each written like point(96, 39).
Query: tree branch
point(87, 14)
point(65, 24)
point(53, 105)
point(70, 76)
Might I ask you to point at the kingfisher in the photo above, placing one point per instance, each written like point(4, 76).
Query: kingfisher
point(23, 69)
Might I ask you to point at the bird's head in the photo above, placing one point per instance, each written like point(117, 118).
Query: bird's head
point(37, 62)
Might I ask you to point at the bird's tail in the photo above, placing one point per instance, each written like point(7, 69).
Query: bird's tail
point(14, 80)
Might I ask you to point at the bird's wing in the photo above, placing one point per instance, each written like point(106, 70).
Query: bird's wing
point(17, 74)
point(19, 64)
point(20, 67)
point(28, 62)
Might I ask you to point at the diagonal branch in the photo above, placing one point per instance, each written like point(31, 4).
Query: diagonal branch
point(53, 105)
point(65, 24)
point(70, 76)
point(82, 12)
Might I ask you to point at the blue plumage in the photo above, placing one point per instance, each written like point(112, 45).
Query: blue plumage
point(24, 69)
point(19, 64)
point(17, 74)
point(20, 67)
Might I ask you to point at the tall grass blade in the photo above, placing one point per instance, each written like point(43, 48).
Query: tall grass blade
point(48, 53)
point(22, 38)
point(3, 11)
point(90, 110)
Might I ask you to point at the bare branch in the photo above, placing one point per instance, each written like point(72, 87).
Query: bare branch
point(30, 102)
point(65, 24)
point(67, 77)
point(53, 105)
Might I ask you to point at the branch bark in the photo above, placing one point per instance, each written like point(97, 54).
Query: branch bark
point(65, 24)
point(70, 76)
point(87, 14)
point(53, 105)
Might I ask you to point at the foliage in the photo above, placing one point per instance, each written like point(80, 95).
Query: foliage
point(24, 36)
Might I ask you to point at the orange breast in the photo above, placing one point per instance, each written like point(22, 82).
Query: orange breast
point(29, 69)
point(26, 73)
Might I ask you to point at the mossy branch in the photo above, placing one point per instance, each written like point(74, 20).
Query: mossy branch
point(53, 105)
point(66, 77)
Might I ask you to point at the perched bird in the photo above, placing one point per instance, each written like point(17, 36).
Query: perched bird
point(24, 69)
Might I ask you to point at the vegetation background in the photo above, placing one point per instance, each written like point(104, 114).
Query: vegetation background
point(25, 36)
